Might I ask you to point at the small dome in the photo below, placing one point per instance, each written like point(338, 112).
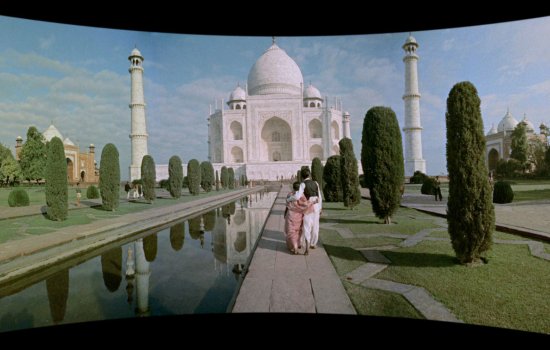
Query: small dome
point(346, 114)
point(493, 130)
point(275, 73)
point(51, 132)
point(237, 95)
point(92, 145)
point(528, 125)
point(312, 92)
point(410, 41)
point(507, 123)
point(19, 138)
point(135, 52)
point(68, 142)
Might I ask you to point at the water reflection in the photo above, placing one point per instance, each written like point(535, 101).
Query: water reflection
point(111, 267)
point(58, 293)
point(162, 275)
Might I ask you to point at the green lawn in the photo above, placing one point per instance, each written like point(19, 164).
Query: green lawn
point(531, 195)
point(511, 291)
point(22, 227)
point(37, 194)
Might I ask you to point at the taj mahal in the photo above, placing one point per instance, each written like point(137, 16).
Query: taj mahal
point(274, 125)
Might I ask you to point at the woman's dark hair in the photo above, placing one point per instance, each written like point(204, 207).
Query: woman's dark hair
point(305, 173)
point(296, 186)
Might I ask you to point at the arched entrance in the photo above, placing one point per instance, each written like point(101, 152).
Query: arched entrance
point(70, 169)
point(493, 159)
point(82, 176)
point(276, 141)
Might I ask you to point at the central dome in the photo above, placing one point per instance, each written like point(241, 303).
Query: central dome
point(275, 73)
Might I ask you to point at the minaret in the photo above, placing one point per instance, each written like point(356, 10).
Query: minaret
point(137, 106)
point(412, 129)
point(18, 146)
point(345, 125)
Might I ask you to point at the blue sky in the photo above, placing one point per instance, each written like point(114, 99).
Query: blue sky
point(78, 78)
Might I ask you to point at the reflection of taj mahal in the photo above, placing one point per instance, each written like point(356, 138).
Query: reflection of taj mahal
point(275, 125)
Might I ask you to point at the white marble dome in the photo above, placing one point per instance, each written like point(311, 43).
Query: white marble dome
point(410, 40)
point(68, 142)
point(507, 123)
point(528, 125)
point(275, 73)
point(51, 132)
point(135, 52)
point(312, 92)
point(493, 130)
point(238, 94)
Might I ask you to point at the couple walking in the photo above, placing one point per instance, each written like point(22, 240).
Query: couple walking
point(303, 207)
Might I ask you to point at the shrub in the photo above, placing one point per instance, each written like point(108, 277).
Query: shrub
point(194, 176)
point(317, 172)
point(57, 195)
point(175, 176)
point(18, 198)
point(332, 180)
point(418, 178)
point(92, 192)
point(109, 177)
point(382, 160)
point(185, 183)
point(149, 177)
point(428, 186)
point(348, 174)
point(231, 178)
point(503, 193)
point(470, 211)
point(207, 176)
point(224, 177)
point(164, 183)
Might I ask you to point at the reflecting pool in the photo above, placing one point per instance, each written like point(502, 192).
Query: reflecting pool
point(191, 267)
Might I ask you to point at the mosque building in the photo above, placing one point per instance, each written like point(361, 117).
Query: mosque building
point(81, 166)
point(499, 139)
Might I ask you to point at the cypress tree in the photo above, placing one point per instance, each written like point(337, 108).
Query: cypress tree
point(207, 176)
point(217, 181)
point(149, 177)
point(57, 196)
point(109, 177)
point(194, 176)
point(332, 180)
point(33, 155)
point(349, 174)
point(231, 178)
point(470, 212)
point(382, 160)
point(317, 172)
point(175, 176)
point(224, 178)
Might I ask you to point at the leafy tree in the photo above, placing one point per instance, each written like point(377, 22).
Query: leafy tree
point(317, 171)
point(33, 156)
point(149, 177)
point(109, 177)
point(333, 180)
point(231, 178)
point(519, 143)
point(217, 181)
point(5, 153)
point(207, 176)
point(175, 176)
point(194, 176)
point(224, 178)
point(10, 170)
point(349, 174)
point(57, 196)
point(536, 152)
point(382, 160)
point(470, 211)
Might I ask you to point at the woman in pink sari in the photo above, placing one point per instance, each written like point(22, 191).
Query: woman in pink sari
point(294, 215)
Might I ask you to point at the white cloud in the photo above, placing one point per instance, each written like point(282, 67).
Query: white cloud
point(46, 43)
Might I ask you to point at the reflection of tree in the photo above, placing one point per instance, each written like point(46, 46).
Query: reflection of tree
point(58, 293)
point(150, 244)
point(240, 242)
point(228, 210)
point(209, 220)
point(195, 227)
point(177, 236)
point(111, 266)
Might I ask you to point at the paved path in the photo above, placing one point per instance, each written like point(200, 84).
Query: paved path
point(19, 257)
point(529, 219)
point(278, 281)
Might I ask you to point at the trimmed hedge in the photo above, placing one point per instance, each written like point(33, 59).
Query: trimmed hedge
point(428, 186)
point(92, 192)
point(503, 192)
point(18, 198)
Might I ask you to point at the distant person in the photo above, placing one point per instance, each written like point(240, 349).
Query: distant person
point(78, 194)
point(437, 189)
point(294, 217)
point(491, 180)
point(127, 188)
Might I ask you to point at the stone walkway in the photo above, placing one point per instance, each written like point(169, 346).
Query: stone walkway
point(278, 281)
point(22, 256)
